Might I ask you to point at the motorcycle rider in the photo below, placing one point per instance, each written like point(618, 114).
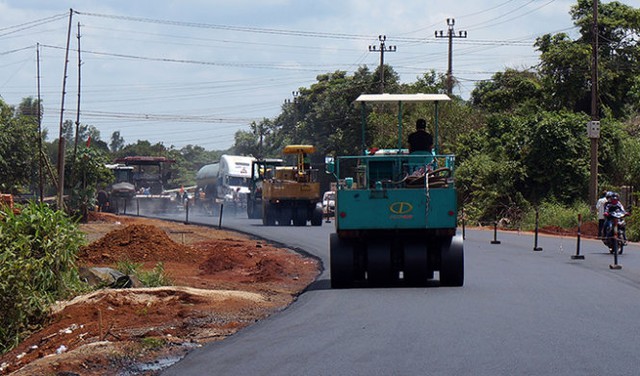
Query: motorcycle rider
point(612, 206)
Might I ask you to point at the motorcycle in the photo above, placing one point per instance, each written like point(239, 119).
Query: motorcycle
point(614, 232)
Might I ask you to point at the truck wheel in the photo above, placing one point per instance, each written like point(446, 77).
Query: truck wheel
point(452, 262)
point(415, 264)
point(300, 216)
point(379, 271)
point(341, 263)
point(254, 210)
point(284, 216)
point(268, 215)
point(250, 210)
point(316, 217)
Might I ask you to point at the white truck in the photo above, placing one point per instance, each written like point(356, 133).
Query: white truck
point(227, 178)
point(234, 175)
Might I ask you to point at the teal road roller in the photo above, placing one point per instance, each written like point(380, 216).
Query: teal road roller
point(396, 212)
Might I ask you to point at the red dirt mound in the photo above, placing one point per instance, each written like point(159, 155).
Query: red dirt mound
point(136, 243)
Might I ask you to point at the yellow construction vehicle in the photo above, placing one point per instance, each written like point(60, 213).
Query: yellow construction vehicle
point(292, 193)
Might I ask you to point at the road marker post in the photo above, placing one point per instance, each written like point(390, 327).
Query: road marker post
point(495, 233)
point(535, 241)
point(578, 256)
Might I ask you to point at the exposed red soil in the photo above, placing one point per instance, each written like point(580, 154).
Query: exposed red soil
point(222, 282)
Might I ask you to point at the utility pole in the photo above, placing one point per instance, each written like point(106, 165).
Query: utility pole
point(593, 128)
point(382, 49)
point(60, 135)
point(294, 107)
point(74, 168)
point(450, 35)
point(40, 157)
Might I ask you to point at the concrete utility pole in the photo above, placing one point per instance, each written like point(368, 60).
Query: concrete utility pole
point(593, 128)
point(383, 48)
point(294, 107)
point(450, 35)
point(60, 134)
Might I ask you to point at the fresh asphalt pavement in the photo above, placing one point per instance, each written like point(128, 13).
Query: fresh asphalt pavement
point(520, 312)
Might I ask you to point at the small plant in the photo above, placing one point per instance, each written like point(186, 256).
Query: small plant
point(153, 278)
point(128, 267)
point(152, 343)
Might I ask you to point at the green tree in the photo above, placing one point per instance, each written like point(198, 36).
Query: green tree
point(18, 151)
point(29, 107)
point(83, 177)
point(117, 142)
point(508, 91)
point(565, 63)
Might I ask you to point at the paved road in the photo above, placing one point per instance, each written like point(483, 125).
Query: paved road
point(520, 312)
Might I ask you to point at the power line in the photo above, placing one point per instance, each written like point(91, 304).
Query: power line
point(246, 29)
point(31, 24)
point(198, 62)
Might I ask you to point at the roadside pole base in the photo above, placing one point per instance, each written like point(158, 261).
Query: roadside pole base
point(537, 249)
point(577, 257)
point(495, 242)
point(615, 267)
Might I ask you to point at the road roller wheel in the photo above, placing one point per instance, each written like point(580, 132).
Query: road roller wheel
point(452, 262)
point(415, 264)
point(341, 262)
point(379, 272)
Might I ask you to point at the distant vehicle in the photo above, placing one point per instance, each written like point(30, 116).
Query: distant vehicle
point(261, 169)
point(140, 184)
point(207, 186)
point(234, 175)
point(329, 204)
point(227, 180)
point(292, 193)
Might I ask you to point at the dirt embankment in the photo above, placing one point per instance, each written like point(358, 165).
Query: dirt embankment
point(222, 282)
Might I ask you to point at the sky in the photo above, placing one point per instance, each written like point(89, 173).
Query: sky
point(194, 72)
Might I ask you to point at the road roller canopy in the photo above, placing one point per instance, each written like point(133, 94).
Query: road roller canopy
point(373, 98)
point(400, 99)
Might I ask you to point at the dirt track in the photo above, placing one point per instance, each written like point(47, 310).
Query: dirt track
point(222, 282)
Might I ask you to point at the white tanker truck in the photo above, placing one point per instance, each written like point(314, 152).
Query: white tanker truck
point(226, 179)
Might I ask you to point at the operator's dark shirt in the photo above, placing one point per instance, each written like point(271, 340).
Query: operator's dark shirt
point(420, 141)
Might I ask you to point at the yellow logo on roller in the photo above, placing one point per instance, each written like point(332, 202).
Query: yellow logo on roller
point(400, 207)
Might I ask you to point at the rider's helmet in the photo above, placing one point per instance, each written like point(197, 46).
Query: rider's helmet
point(609, 194)
point(614, 198)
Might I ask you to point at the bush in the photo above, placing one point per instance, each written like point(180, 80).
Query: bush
point(37, 266)
point(554, 214)
point(633, 226)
